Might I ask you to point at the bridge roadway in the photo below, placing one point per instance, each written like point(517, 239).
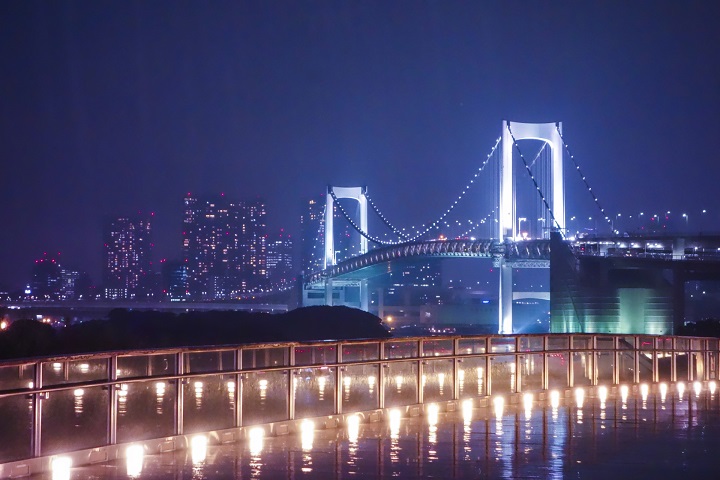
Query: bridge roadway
point(524, 253)
point(531, 253)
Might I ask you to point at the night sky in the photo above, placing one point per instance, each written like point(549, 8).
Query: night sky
point(109, 108)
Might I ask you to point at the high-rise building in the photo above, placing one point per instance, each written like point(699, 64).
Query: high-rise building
point(280, 258)
point(127, 257)
point(312, 232)
point(224, 247)
point(46, 278)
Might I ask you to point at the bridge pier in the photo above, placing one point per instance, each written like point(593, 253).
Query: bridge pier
point(505, 298)
point(328, 291)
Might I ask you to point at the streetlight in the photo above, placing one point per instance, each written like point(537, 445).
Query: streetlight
point(687, 221)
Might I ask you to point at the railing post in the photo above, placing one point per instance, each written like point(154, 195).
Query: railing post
point(339, 381)
point(456, 370)
point(112, 401)
point(616, 360)
point(37, 411)
point(636, 357)
point(594, 365)
point(518, 383)
point(381, 376)
point(421, 371)
point(180, 394)
point(655, 362)
point(673, 361)
point(545, 366)
point(570, 364)
point(291, 385)
point(239, 388)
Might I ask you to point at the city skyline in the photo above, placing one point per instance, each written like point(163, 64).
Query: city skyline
point(121, 107)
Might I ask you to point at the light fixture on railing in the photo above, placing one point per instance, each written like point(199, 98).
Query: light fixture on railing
point(134, 456)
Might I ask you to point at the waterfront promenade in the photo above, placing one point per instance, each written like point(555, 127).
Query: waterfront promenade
point(655, 436)
point(470, 404)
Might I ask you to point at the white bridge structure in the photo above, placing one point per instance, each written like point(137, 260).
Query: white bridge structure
point(505, 248)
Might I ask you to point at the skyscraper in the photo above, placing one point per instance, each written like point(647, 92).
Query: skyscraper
point(46, 278)
point(224, 247)
point(127, 257)
point(280, 258)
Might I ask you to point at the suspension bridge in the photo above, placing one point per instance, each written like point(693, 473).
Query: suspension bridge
point(514, 198)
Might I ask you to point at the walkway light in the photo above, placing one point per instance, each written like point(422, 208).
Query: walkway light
point(498, 406)
point(256, 436)
point(307, 434)
point(432, 413)
point(134, 455)
point(697, 387)
point(681, 389)
point(624, 391)
point(353, 427)
point(554, 399)
point(198, 449)
point(60, 467)
point(712, 386)
point(394, 423)
point(528, 404)
point(602, 395)
point(644, 390)
point(579, 397)
point(663, 391)
point(467, 409)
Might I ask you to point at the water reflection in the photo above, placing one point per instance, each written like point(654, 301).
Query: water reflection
point(159, 397)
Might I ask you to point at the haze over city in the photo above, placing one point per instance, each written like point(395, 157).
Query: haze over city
point(111, 108)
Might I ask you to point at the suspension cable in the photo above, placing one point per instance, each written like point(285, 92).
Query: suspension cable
point(425, 228)
point(387, 223)
point(355, 226)
point(587, 185)
point(532, 177)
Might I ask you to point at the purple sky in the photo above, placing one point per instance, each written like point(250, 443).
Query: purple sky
point(112, 107)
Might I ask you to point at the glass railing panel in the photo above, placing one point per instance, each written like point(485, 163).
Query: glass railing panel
point(712, 344)
point(74, 371)
point(605, 343)
point(471, 377)
point(582, 369)
point(664, 366)
point(146, 365)
point(682, 366)
point(531, 371)
point(437, 380)
point(713, 365)
point(315, 355)
point(645, 365)
point(360, 388)
point(314, 390)
point(145, 410)
point(215, 361)
point(557, 369)
point(604, 368)
point(665, 343)
point(646, 343)
point(626, 366)
point(16, 431)
point(697, 344)
point(265, 397)
point(502, 374)
point(74, 419)
point(265, 357)
point(682, 344)
point(531, 344)
point(401, 349)
point(558, 342)
point(17, 376)
point(401, 384)
point(581, 342)
point(437, 348)
point(502, 344)
point(626, 343)
point(467, 346)
point(209, 403)
point(360, 352)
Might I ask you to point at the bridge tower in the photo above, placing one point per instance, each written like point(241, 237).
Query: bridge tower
point(354, 193)
point(507, 218)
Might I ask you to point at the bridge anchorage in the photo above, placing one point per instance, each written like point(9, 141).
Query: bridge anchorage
point(346, 282)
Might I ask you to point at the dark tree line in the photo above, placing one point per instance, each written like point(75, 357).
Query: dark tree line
point(136, 330)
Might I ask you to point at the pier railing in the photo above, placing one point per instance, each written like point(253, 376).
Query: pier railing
point(90, 403)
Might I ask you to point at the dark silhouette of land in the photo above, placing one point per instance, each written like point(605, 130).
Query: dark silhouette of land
point(137, 330)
